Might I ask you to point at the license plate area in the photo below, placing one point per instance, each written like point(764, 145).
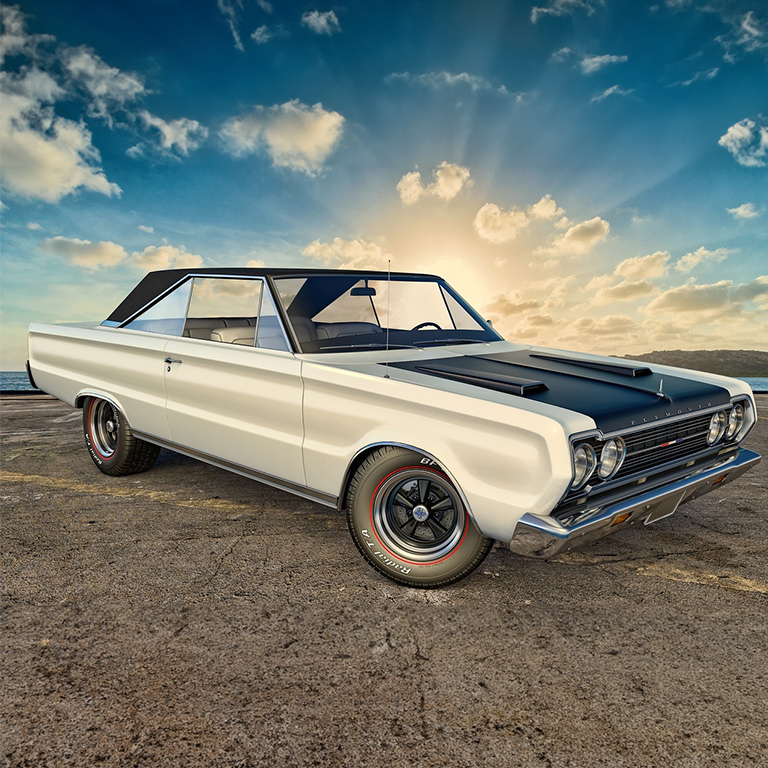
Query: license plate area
point(665, 508)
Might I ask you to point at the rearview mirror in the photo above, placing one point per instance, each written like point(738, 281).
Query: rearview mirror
point(363, 291)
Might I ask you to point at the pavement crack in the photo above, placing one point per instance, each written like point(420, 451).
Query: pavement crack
point(611, 559)
point(220, 561)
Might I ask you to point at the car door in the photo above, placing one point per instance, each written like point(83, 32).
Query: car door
point(234, 389)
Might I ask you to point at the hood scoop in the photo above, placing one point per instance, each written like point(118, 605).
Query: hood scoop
point(622, 370)
point(502, 382)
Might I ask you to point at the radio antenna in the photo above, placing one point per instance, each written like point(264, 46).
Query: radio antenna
point(389, 320)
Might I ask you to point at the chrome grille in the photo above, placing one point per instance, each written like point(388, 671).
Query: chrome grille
point(666, 443)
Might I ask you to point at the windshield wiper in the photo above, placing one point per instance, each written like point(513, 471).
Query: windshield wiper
point(436, 342)
point(366, 346)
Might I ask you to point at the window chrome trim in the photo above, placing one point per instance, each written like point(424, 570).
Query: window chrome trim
point(265, 285)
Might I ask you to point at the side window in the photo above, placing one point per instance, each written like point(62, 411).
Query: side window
point(269, 332)
point(167, 315)
point(233, 311)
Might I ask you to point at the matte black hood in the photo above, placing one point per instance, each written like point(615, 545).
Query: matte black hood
point(615, 396)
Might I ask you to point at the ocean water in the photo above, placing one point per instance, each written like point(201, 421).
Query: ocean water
point(16, 381)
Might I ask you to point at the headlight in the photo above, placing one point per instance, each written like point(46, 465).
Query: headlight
point(717, 426)
point(735, 421)
point(583, 464)
point(611, 458)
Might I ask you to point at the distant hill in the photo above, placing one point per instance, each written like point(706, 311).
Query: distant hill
point(727, 362)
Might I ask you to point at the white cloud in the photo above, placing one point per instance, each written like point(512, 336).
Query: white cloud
point(496, 225)
point(565, 8)
point(721, 298)
point(514, 303)
point(757, 291)
point(616, 326)
point(449, 180)
point(546, 208)
point(644, 267)
point(747, 34)
point(591, 64)
point(293, 134)
point(33, 226)
point(692, 260)
point(627, 290)
point(44, 156)
point(15, 39)
point(323, 23)
point(744, 211)
point(229, 10)
point(499, 226)
point(107, 89)
point(254, 263)
point(630, 280)
point(747, 142)
point(165, 257)
point(148, 230)
point(262, 34)
point(579, 239)
point(84, 253)
point(694, 298)
point(265, 6)
point(348, 254)
point(444, 79)
point(614, 90)
point(702, 76)
point(540, 320)
point(181, 136)
point(562, 55)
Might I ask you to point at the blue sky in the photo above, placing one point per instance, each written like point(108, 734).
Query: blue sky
point(591, 174)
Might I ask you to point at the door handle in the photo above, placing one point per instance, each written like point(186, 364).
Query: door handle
point(169, 361)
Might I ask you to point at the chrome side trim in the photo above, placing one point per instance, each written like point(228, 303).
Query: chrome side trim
point(544, 536)
point(100, 395)
point(325, 499)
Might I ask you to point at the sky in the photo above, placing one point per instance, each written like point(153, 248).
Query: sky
point(589, 174)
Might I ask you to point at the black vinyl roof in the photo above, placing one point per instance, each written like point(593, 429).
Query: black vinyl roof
point(156, 284)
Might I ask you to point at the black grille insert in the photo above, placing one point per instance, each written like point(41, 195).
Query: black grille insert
point(663, 444)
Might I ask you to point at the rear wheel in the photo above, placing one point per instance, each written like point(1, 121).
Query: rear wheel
point(113, 447)
point(409, 522)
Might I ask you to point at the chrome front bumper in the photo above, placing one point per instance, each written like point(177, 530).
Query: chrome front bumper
point(539, 536)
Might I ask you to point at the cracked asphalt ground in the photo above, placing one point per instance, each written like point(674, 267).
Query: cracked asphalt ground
point(191, 617)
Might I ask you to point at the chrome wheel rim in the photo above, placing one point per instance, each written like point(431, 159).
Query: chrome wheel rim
point(418, 515)
point(103, 428)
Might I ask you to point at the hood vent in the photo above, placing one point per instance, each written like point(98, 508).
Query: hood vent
point(622, 370)
point(499, 381)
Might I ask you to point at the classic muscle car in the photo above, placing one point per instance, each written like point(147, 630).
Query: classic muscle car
point(388, 396)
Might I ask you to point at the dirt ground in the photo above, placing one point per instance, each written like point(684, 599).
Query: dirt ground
point(191, 617)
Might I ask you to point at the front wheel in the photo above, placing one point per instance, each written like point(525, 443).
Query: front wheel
point(409, 522)
point(112, 445)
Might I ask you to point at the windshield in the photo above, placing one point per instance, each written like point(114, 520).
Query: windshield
point(332, 313)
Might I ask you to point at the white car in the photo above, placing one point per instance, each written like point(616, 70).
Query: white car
point(388, 396)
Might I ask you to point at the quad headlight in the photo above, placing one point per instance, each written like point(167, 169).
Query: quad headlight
point(735, 421)
point(611, 458)
point(584, 461)
point(717, 426)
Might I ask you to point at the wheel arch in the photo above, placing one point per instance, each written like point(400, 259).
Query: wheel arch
point(86, 393)
point(367, 450)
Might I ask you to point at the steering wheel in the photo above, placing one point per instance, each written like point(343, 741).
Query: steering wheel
point(424, 325)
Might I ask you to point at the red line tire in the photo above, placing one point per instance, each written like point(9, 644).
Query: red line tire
point(409, 522)
point(112, 446)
